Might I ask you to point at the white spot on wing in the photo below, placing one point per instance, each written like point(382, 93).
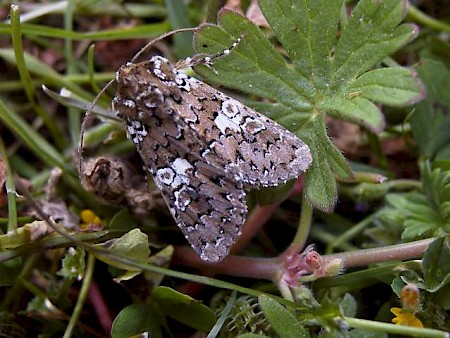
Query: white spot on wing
point(223, 122)
point(165, 175)
point(129, 103)
point(182, 199)
point(176, 174)
point(181, 166)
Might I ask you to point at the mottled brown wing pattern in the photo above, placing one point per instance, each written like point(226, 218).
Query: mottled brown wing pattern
point(202, 147)
point(260, 150)
point(256, 148)
point(207, 203)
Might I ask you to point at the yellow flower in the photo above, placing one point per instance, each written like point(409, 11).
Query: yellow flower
point(90, 221)
point(405, 318)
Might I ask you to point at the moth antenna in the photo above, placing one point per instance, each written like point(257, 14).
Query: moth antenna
point(90, 107)
point(206, 59)
point(159, 38)
point(86, 117)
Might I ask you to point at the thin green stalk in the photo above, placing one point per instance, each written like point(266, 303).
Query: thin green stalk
point(368, 177)
point(13, 293)
point(25, 77)
point(91, 69)
point(144, 10)
point(81, 297)
point(10, 190)
point(352, 281)
point(138, 32)
point(96, 250)
point(223, 316)
point(22, 166)
point(74, 116)
point(33, 289)
point(404, 184)
point(7, 86)
point(374, 143)
point(33, 140)
point(285, 291)
point(321, 235)
point(20, 220)
point(303, 228)
point(371, 325)
point(420, 17)
point(349, 234)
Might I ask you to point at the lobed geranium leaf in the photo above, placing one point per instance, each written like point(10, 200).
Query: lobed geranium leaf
point(324, 75)
point(394, 86)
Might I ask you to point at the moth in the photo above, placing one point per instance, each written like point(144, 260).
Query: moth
point(203, 148)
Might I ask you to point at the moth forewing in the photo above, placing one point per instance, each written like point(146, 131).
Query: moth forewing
point(261, 151)
point(207, 203)
point(202, 147)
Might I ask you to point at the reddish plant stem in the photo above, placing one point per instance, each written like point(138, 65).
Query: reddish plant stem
point(248, 267)
point(258, 217)
point(100, 307)
point(397, 252)
point(231, 265)
point(271, 268)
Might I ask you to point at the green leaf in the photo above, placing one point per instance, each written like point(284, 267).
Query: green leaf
point(184, 309)
point(282, 321)
point(436, 185)
point(42, 70)
point(348, 305)
point(357, 110)
point(394, 86)
point(420, 215)
point(27, 233)
point(436, 264)
point(320, 184)
point(133, 245)
point(122, 221)
point(324, 75)
point(430, 121)
point(34, 141)
point(161, 258)
point(73, 264)
point(371, 34)
point(306, 29)
point(412, 213)
point(135, 319)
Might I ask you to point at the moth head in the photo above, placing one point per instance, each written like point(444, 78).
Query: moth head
point(161, 68)
point(139, 89)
